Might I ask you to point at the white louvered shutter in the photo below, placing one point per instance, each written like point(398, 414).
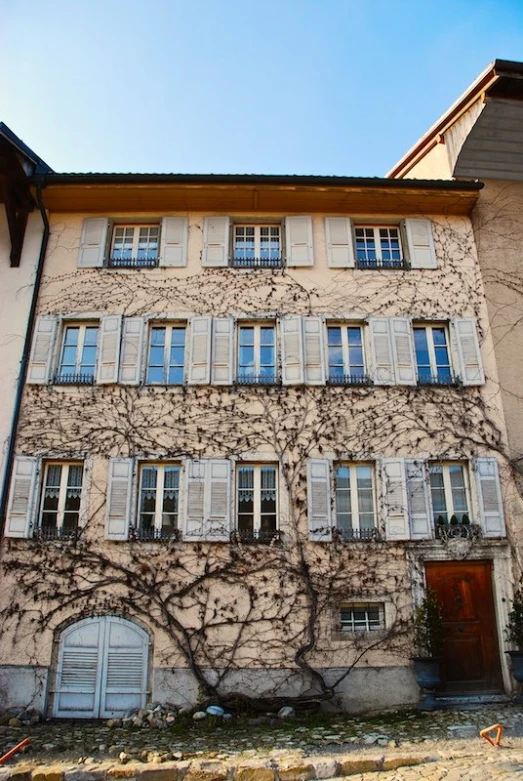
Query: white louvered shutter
point(292, 350)
point(467, 345)
point(124, 681)
point(21, 507)
point(490, 503)
point(93, 242)
point(218, 500)
point(313, 350)
point(340, 247)
point(381, 351)
point(200, 351)
point(215, 241)
point(422, 253)
point(298, 237)
point(132, 347)
point(173, 241)
point(79, 670)
point(403, 350)
point(319, 499)
point(42, 349)
point(109, 349)
point(195, 499)
point(119, 498)
point(87, 475)
point(222, 350)
point(395, 499)
point(418, 500)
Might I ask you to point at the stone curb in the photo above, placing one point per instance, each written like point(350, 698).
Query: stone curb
point(306, 769)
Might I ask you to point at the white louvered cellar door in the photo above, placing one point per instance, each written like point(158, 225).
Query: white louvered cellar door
point(102, 669)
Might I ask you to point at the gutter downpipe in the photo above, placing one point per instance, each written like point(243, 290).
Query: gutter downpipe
point(24, 363)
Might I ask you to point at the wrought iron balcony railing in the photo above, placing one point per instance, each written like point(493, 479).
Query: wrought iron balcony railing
point(53, 533)
point(349, 535)
point(437, 379)
point(132, 262)
point(79, 378)
point(454, 531)
point(257, 379)
point(154, 535)
point(256, 537)
point(349, 379)
point(399, 263)
point(237, 262)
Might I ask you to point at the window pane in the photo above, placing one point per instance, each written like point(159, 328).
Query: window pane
point(422, 353)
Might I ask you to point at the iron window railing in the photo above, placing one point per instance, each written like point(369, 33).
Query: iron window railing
point(257, 537)
point(132, 262)
point(400, 263)
point(237, 262)
point(257, 379)
point(349, 379)
point(74, 379)
point(436, 379)
point(154, 535)
point(349, 535)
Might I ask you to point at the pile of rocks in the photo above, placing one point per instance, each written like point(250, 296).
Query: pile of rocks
point(153, 715)
point(20, 717)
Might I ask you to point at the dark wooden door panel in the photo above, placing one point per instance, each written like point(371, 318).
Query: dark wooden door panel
point(471, 653)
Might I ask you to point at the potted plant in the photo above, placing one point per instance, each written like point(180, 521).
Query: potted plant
point(429, 635)
point(515, 636)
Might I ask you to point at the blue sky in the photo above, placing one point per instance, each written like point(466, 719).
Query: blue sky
point(223, 86)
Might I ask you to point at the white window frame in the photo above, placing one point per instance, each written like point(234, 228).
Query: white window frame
point(449, 499)
point(161, 467)
point(76, 377)
point(379, 263)
point(257, 379)
point(257, 261)
point(356, 532)
point(257, 515)
point(429, 328)
point(133, 261)
point(347, 378)
point(168, 327)
point(369, 625)
point(62, 496)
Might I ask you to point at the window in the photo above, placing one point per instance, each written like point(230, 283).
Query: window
point(346, 358)
point(256, 245)
point(256, 502)
point(448, 488)
point(159, 501)
point(61, 496)
point(166, 359)
point(378, 246)
point(355, 514)
point(362, 617)
point(256, 354)
point(134, 246)
point(78, 356)
point(432, 355)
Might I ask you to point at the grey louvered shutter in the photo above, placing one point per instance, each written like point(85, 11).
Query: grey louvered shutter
point(40, 362)
point(200, 351)
point(395, 499)
point(222, 350)
point(173, 241)
point(109, 349)
point(418, 500)
point(422, 253)
point(319, 499)
point(132, 347)
point(466, 340)
point(215, 241)
point(195, 473)
point(119, 498)
point(21, 506)
point(381, 351)
point(313, 350)
point(403, 350)
point(292, 350)
point(218, 500)
point(93, 242)
point(489, 494)
point(340, 247)
point(298, 238)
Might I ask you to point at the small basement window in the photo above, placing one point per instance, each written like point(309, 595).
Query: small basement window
point(362, 617)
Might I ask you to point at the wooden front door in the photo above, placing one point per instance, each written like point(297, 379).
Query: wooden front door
point(471, 653)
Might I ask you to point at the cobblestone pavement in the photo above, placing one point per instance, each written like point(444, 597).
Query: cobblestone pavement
point(440, 745)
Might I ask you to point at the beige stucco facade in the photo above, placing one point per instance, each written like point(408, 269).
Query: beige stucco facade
point(250, 616)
